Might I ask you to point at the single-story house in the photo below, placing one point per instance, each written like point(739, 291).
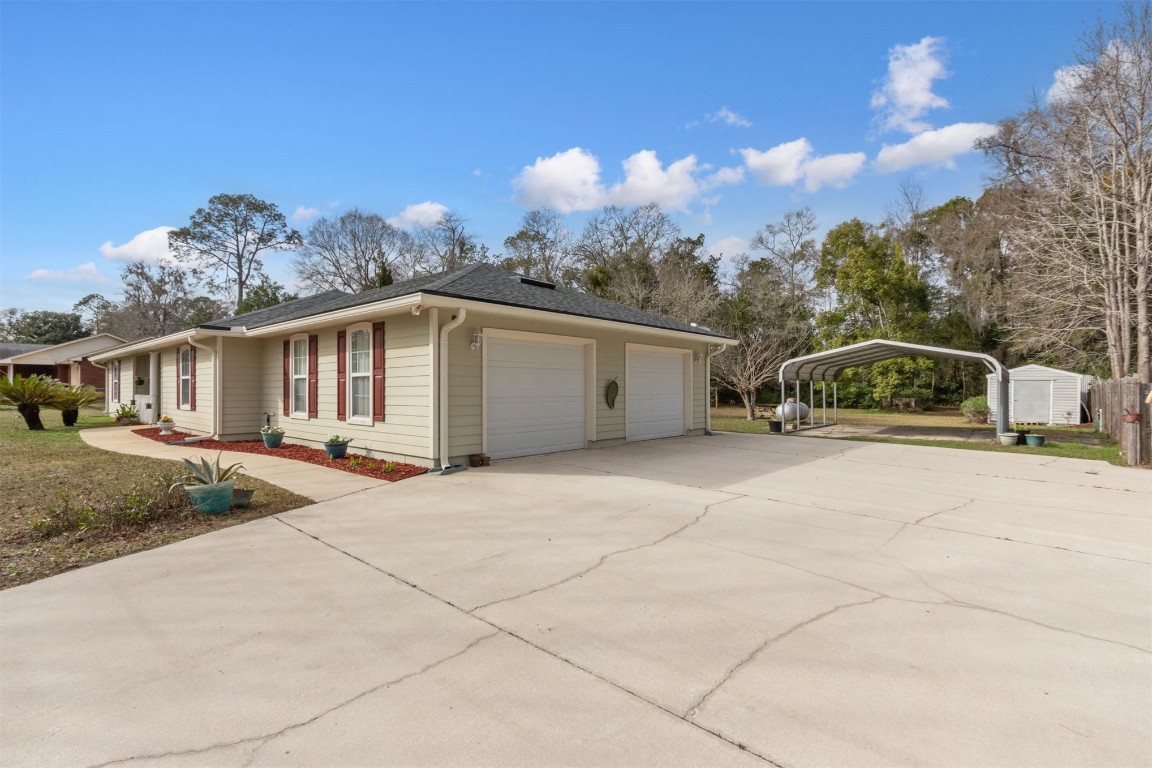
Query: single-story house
point(1038, 394)
point(430, 371)
point(69, 362)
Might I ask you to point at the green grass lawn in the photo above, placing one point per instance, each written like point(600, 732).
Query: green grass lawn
point(54, 475)
point(1078, 442)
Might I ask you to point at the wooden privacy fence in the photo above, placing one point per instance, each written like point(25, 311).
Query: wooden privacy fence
point(1112, 399)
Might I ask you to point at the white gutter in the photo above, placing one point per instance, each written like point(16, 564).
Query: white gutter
point(345, 316)
point(159, 342)
point(215, 385)
point(708, 384)
point(461, 313)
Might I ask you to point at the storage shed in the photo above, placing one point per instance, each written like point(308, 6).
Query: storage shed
point(1038, 394)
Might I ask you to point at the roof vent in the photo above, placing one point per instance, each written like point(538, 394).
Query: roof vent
point(537, 283)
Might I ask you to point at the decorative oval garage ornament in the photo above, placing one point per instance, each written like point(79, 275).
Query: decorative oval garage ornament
point(611, 392)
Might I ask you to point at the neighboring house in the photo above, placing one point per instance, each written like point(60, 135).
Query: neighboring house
point(68, 362)
point(429, 371)
point(1038, 394)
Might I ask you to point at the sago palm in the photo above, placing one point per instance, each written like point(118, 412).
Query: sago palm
point(29, 395)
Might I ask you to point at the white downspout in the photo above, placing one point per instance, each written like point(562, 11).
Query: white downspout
point(215, 385)
point(461, 313)
point(708, 385)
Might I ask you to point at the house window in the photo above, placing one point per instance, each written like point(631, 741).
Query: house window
point(115, 381)
point(360, 374)
point(300, 377)
point(184, 398)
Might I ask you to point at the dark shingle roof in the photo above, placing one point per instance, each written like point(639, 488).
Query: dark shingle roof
point(477, 282)
point(8, 350)
point(289, 310)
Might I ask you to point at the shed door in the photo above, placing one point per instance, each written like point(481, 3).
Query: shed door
point(535, 397)
point(654, 389)
point(1031, 401)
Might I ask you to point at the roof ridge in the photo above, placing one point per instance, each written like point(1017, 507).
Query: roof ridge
point(448, 278)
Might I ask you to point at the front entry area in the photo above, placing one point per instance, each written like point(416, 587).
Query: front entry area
point(656, 392)
point(535, 394)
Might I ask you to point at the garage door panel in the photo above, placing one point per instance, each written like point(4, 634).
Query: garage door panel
point(535, 397)
point(655, 395)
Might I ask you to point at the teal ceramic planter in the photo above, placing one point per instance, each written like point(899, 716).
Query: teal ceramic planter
point(213, 499)
point(272, 441)
point(336, 451)
point(1035, 441)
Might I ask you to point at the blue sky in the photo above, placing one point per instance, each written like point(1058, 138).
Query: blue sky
point(120, 119)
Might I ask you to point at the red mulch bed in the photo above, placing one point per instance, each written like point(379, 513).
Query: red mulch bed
point(367, 467)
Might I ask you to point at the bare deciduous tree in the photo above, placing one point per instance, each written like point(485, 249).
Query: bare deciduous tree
point(355, 252)
point(542, 248)
point(446, 245)
point(1077, 178)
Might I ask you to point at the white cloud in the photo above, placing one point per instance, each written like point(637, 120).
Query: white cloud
point(729, 247)
point(423, 214)
point(85, 273)
point(780, 166)
point(832, 170)
point(303, 213)
point(647, 181)
point(150, 246)
point(906, 93)
point(937, 147)
point(571, 181)
point(567, 181)
point(792, 162)
point(1065, 80)
point(728, 117)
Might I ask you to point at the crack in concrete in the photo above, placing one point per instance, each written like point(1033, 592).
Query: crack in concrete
point(267, 737)
point(1034, 622)
point(691, 711)
point(499, 629)
point(604, 558)
point(941, 512)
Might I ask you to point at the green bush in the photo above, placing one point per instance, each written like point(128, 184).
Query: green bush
point(976, 409)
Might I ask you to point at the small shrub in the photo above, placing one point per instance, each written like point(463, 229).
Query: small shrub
point(388, 466)
point(141, 505)
point(355, 461)
point(976, 409)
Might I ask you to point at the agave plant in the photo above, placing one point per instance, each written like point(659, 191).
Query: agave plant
point(29, 395)
point(72, 399)
point(205, 472)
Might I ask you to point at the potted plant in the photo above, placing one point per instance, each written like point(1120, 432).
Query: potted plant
point(1021, 434)
point(336, 446)
point(775, 424)
point(209, 486)
point(1008, 438)
point(272, 436)
point(166, 424)
point(127, 414)
point(1034, 440)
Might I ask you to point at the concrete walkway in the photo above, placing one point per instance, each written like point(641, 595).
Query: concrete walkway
point(309, 480)
point(737, 600)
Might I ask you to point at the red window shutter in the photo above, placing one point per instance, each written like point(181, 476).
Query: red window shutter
point(341, 375)
point(191, 378)
point(313, 375)
point(287, 377)
point(378, 371)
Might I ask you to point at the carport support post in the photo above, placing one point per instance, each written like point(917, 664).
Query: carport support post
point(1002, 404)
point(797, 405)
point(835, 404)
point(824, 402)
point(811, 403)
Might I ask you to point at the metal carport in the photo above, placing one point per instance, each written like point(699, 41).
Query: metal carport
point(827, 365)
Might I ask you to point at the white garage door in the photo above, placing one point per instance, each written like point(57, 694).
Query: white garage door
point(655, 394)
point(535, 394)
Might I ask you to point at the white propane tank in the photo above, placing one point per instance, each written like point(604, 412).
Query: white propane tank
point(787, 411)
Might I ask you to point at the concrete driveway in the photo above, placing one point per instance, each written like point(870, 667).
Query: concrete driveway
point(730, 600)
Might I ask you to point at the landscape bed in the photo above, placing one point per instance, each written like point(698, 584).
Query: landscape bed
point(357, 465)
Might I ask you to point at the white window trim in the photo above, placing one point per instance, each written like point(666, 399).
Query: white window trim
point(115, 393)
point(364, 421)
point(181, 403)
point(292, 412)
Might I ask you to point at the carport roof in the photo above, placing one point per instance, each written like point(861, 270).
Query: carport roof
point(827, 365)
